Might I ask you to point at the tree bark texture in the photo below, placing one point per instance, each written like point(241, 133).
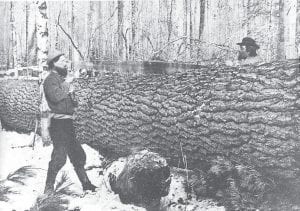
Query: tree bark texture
point(248, 114)
point(19, 104)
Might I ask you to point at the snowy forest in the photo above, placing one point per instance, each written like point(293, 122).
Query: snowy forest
point(166, 105)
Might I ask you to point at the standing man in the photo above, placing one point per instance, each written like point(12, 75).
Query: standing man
point(58, 94)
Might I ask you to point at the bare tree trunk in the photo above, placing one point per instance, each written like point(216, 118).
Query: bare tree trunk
point(6, 35)
point(201, 24)
point(13, 41)
point(42, 54)
point(160, 40)
point(248, 15)
point(169, 21)
point(32, 37)
point(71, 51)
point(100, 35)
point(185, 24)
point(202, 13)
point(112, 45)
point(26, 32)
point(120, 29)
point(298, 29)
point(42, 34)
point(191, 28)
point(290, 20)
point(132, 48)
point(281, 29)
point(88, 31)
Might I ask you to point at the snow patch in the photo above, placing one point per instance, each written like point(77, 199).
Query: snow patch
point(16, 153)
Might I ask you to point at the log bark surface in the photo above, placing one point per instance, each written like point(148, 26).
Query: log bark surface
point(248, 114)
point(19, 104)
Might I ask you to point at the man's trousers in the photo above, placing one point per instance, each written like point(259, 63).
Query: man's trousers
point(62, 134)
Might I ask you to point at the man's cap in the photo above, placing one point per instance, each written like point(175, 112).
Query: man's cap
point(53, 55)
point(248, 41)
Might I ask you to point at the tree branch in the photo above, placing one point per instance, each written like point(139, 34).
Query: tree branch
point(166, 45)
point(221, 46)
point(126, 42)
point(70, 38)
point(108, 19)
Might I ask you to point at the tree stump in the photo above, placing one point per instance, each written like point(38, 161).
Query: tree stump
point(144, 179)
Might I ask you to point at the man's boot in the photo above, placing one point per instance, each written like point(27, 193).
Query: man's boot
point(85, 182)
point(51, 175)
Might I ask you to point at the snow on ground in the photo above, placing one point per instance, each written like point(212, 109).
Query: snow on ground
point(16, 153)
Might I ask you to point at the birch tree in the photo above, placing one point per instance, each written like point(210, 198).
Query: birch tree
point(42, 34)
point(42, 54)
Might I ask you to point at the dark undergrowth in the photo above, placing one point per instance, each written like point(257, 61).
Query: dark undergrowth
point(240, 187)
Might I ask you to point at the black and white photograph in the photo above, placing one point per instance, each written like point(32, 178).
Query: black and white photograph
point(150, 105)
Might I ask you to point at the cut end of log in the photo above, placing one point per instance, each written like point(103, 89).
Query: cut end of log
point(144, 179)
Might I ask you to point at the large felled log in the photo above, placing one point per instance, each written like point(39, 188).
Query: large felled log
point(144, 179)
point(19, 104)
point(248, 114)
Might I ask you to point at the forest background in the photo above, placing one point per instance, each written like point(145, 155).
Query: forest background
point(169, 30)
